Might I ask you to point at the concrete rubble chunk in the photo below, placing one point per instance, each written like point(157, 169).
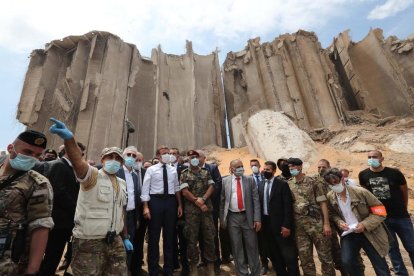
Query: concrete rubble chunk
point(361, 147)
point(272, 135)
point(403, 143)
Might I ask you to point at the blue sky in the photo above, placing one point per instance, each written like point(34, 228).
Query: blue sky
point(222, 24)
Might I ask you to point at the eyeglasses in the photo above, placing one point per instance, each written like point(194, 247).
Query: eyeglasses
point(131, 154)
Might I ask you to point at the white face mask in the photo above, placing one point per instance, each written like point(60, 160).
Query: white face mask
point(338, 188)
point(137, 166)
point(173, 158)
point(255, 169)
point(165, 158)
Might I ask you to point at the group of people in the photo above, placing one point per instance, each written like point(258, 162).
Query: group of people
point(102, 213)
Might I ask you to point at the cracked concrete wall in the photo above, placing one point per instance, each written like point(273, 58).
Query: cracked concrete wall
point(95, 82)
point(318, 87)
point(291, 74)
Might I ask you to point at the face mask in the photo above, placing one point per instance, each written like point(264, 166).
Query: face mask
point(255, 169)
point(294, 172)
point(239, 171)
point(268, 175)
point(186, 164)
point(338, 188)
point(112, 166)
point(322, 171)
point(375, 163)
point(165, 158)
point(129, 161)
point(173, 158)
point(194, 162)
point(137, 166)
point(23, 162)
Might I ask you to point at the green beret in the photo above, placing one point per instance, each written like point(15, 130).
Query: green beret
point(33, 138)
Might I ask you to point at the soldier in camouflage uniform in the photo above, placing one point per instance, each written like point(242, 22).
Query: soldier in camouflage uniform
point(311, 220)
point(197, 186)
point(324, 165)
point(25, 207)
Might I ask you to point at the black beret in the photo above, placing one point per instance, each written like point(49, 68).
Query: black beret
point(52, 151)
point(192, 153)
point(295, 161)
point(33, 138)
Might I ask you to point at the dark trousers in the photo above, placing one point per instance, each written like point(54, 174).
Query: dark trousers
point(134, 264)
point(54, 250)
point(163, 216)
point(351, 244)
point(138, 255)
point(282, 251)
point(403, 227)
point(182, 245)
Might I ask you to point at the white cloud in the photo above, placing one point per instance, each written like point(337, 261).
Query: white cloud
point(389, 8)
point(30, 24)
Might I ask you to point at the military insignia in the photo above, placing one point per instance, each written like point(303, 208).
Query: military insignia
point(39, 141)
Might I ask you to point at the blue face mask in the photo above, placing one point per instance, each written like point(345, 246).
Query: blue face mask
point(194, 162)
point(23, 162)
point(294, 172)
point(112, 166)
point(129, 161)
point(375, 163)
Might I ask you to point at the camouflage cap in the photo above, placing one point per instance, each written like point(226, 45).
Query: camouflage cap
point(192, 153)
point(33, 138)
point(110, 150)
point(295, 161)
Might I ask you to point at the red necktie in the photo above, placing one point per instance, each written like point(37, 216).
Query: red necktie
point(239, 194)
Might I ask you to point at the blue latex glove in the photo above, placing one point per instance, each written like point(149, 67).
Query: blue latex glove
point(60, 129)
point(128, 245)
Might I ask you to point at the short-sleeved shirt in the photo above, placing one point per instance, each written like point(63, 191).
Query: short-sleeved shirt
point(385, 185)
point(307, 192)
point(197, 183)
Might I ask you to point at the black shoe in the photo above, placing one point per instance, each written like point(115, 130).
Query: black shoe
point(264, 270)
point(217, 270)
point(201, 264)
point(226, 260)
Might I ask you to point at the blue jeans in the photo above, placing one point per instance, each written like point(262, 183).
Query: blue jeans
point(351, 244)
point(403, 227)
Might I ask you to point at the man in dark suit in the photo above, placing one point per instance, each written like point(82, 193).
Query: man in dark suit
point(240, 214)
point(65, 194)
point(277, 218)
point(133, 178)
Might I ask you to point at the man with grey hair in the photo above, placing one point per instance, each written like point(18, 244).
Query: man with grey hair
point(240, 214)
point(133, 187)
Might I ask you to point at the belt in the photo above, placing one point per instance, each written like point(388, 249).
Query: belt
point(162, 196)
point(240, 213)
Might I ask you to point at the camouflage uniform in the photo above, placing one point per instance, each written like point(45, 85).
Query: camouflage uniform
point(307, 195)
point(335, 246)
point(196, 220)
point(24, 204)
point(94, 253)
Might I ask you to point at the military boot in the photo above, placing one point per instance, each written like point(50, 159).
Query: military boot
point(193, 270)
point(210, 269)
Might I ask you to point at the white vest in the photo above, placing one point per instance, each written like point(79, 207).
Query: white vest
point(95, 209)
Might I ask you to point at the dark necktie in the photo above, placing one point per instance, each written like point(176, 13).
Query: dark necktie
point(165, 178)
point(267, 195)
point(257, 179)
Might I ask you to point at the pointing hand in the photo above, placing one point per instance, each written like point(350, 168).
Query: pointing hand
point(60, 129)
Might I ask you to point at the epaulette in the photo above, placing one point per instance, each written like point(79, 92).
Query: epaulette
point(37, 177)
